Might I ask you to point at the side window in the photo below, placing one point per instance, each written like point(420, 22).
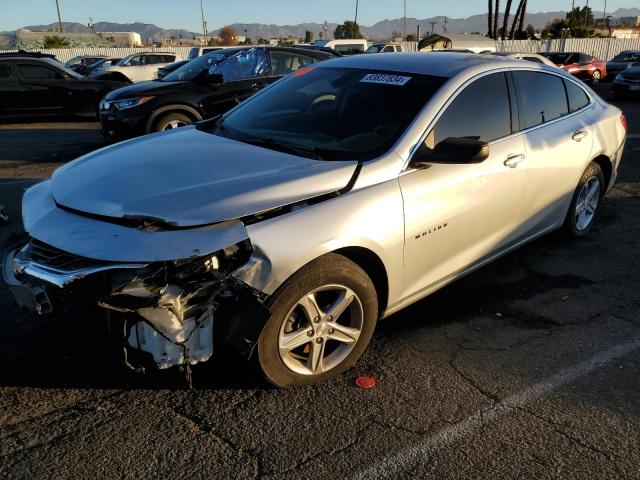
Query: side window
point(6, 72)
point(168, 58)
point(481, 111)
point(245, 64)
point(136, 61)
point(349, 49)
point(283, 63)
point(387, 49)
point(577, 97)
point(584, 58)
point(572, 58)
point(38, 72)
point(532, 59)
point(541, 98)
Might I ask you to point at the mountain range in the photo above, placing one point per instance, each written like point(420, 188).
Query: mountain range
point(381, 30)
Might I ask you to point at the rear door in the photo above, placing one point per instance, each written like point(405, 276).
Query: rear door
point(44, 88)
point(457, 214)
point(558, 142)
point(11, 94)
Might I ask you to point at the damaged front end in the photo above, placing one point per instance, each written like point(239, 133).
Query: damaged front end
point(170, 311)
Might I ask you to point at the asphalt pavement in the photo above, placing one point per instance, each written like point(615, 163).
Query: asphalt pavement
point(527, 368)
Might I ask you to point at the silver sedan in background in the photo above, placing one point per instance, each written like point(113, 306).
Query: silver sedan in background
point(285, 229)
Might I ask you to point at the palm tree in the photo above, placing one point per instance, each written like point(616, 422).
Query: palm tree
point(505, 21)
point(516, 19)
point(490, 19)
point(496, 15)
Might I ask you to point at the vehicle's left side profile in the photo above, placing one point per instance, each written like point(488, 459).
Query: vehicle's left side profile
point(283, 230)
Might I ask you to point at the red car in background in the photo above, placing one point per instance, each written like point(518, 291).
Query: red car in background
point(580, 65)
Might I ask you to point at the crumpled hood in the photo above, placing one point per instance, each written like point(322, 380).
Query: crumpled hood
point(188, 178)
point(152, 87)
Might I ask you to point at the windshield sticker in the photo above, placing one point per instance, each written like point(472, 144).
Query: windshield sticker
point(385, 79)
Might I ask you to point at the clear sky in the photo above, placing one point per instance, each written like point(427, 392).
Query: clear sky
point(186, 13)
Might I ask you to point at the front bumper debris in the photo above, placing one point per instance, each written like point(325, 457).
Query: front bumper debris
point(169, 309)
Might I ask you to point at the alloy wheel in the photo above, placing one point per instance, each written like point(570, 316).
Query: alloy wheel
point(174, 124)
point(587, 203)
point(321, 330)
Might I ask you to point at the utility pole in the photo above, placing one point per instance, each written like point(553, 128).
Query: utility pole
point(444, 26)
point(90, 24)
point(355, 19)
point(604, 14)
point(60, 27)
point(404, 23)
point(204, 23)
point(324, 29)
point(418, 34)
point(433, 25)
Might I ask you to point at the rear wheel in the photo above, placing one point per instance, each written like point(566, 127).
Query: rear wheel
point(596, 76)
point(586, 200)
point(321, 321)
point(171, 121)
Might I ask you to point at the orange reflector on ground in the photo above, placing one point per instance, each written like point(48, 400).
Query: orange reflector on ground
point(365, 382)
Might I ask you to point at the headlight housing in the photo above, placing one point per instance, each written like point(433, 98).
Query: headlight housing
point(124, 103)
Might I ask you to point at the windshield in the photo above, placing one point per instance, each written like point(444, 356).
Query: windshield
point(193, 69)
point(627, 57)
point(331, 113)
point(560, 58)
point(375, 48)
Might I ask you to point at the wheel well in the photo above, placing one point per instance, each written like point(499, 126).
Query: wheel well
point(605, 164)
point(374, 268)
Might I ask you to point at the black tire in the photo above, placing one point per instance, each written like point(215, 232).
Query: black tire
point(571, 227)
point(329, 269)
point(163, 122)
point(596, 77)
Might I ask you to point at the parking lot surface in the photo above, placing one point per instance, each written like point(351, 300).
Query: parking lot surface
point(527, 368)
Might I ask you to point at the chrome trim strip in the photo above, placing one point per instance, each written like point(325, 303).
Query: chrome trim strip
point(61, 278)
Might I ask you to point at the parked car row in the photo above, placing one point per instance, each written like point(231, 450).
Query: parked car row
point(284, 229)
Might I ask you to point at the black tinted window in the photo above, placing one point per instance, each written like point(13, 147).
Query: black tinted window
point(577, 96)
point(481, 111)
point(541, 99)
point(38, 72)
point(6, 72)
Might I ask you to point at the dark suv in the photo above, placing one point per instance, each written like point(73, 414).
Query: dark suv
point(203, 88)
point(34, 85)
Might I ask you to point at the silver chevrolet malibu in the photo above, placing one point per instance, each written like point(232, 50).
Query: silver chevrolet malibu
point(283, 230)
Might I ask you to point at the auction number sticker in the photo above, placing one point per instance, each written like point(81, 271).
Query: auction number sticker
point(385, 79)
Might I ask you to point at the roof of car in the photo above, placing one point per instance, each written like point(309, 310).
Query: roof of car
point(445, 64)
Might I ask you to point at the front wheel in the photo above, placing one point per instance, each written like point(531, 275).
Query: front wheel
point(586, 200)
point(171, 121)
point(321, 321)
point(596, 76)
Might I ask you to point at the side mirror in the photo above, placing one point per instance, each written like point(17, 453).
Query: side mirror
point(215, 78)
point(456, 150)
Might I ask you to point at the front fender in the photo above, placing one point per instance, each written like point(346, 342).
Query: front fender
point(370, 218)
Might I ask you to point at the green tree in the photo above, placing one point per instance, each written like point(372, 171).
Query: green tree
point(55, 41)
point(348, 29)
point(263, 41)
point(308, 36)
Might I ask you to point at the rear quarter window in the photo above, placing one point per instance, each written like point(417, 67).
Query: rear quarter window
point(541, 98)
point(577, 97)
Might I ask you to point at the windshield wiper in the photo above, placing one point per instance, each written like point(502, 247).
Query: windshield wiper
point(271, 144)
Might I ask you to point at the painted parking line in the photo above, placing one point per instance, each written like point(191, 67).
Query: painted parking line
point(407, 459)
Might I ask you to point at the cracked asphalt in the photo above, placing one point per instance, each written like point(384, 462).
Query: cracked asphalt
point(527, 368)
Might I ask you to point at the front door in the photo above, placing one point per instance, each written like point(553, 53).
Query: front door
point(458, 214)
point(11, 95)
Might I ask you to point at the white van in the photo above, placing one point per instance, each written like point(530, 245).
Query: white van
point(345, 46)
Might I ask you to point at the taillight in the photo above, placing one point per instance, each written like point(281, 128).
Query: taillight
point(623, 121)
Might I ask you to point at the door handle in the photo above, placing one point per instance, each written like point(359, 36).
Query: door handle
point(578, 135)
point(512, 161)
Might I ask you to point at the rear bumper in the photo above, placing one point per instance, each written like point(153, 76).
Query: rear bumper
point(626, 89)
